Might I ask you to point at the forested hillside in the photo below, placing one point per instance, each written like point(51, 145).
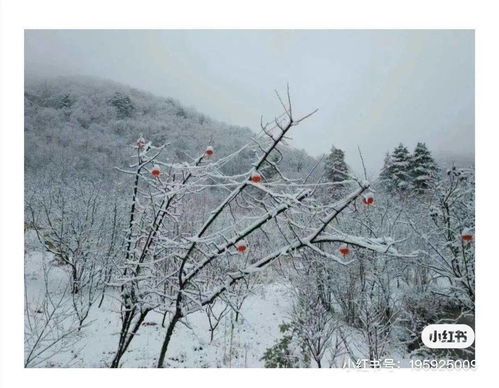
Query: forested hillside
point(84, 127)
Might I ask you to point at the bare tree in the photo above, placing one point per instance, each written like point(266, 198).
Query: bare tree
point(50, 326)
point(312, 321)
point(163, 254)
point(71, 223)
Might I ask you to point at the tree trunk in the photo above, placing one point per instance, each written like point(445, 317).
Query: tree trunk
point(127, 337)
point(74, 283)
point(166, 341)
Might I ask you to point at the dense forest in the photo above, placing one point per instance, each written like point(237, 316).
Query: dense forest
point(87, 125)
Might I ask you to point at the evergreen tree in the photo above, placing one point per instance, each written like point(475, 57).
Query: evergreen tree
point(423, 169)
point(399, 170)
point(123, 104)
point(336, 171)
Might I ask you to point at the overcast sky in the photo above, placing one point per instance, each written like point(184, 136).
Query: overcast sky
point(374, 89)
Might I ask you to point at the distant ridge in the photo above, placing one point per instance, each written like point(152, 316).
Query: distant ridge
point(87, 125)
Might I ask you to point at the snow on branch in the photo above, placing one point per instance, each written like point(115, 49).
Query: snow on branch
point(246, 232)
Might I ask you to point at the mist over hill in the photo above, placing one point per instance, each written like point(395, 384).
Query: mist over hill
point(84, 127)
point(447, 159)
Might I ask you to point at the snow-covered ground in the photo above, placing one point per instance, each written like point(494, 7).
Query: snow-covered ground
point(238, 344)
point(256, 329)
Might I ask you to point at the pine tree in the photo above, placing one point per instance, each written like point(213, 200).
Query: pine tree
point(399, 170)
point(423, 169)
point(336, 171)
